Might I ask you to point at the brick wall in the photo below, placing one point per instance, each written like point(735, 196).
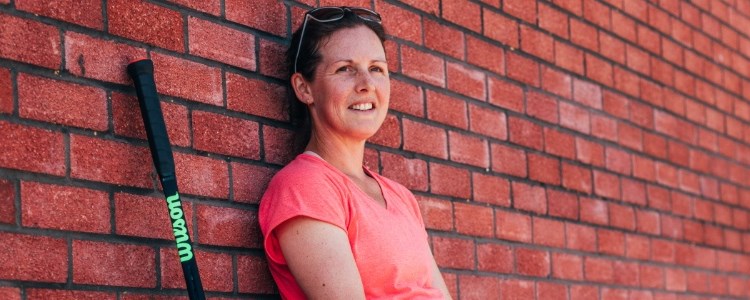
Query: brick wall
point(575, 149)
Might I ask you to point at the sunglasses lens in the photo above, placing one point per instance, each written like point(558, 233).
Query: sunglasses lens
point(366, 14)
point(327, 13)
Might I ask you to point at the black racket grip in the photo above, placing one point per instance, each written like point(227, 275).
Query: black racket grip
point(142, 73)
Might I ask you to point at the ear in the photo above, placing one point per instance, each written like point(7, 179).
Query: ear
point(302, 89)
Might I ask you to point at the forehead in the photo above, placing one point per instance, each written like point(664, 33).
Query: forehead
point(351, 44)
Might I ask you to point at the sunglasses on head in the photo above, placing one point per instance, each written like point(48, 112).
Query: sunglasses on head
point(331, 14)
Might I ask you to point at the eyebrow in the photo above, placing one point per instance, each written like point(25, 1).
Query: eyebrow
point(350, 61)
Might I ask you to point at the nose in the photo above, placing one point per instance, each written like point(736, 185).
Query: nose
point(364, 81)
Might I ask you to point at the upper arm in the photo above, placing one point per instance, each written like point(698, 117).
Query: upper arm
point(320, 258)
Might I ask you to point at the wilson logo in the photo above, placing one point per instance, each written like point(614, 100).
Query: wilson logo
point(179, 228)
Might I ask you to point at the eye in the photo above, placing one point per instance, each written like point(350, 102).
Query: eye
point(376, 69)
point(344, 69)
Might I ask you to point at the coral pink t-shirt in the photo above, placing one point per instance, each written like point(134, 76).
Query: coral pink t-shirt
point(389, 243)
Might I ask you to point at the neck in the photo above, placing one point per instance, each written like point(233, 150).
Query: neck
point(347, 157)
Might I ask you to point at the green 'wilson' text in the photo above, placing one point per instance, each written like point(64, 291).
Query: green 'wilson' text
point(178, 227)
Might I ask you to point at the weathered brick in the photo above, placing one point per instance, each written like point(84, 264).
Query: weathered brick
point(127, 119)
point(276, 143)
point(85, 13)
point(559, 143)
point(522, 69)
point(580, 237)
point(506, 95)
point(221, 43)
point(7, 202)
point(61, 102)
point(466, 81)
point(562, 204)
point(478, 287)
point(148, 23)
point(249, 181)
point(468, 149)
point(463, 13)
point(485, 55)
point(490, 189)
point(548, 232)
point(553, 20)
point(567, 266)
point(412, 173)
point(517, 289)
point(423, 66)
point(37, 294)
point(569, 57)
point(407, 98)
point(500, 28)
point(64, 208)
point(574, 117)
point(544, 169)
point(556, 82)
point(495, 258)
point(474, 220)
point(262, 15)
point(488, 122)
point(109, 161)
point(211, 6)
point(440, 38)
point(537, 43)
point(186, 79)
point(225, 135)
point(453, 252)
point(271, 59)
point(542, 107)
point(147, 216)
point(529, 198)
point(6, 92)
point(30, 42)
point(101, 263)
point(513, 226)
point(436, 213)
point(32, 149)
point(508, 160)
point(576, 178)
point(610, 242)
point(447, 110)
point(532, 262)
point(598, 269)
point(449, 181)
point(425, 139)
point(253, 275)
point(33, 258)
point(213, 270)
point(204, 176)
point(224, 226)
point(90, 57)
point(525, 133)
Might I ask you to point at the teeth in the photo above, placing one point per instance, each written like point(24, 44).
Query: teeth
point(364, 106)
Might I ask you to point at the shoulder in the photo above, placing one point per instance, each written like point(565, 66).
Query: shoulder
point(304, 171)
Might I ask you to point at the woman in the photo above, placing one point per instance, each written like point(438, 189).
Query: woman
point(332, 228)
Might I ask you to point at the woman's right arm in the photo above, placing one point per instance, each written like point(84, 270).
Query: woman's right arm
point(320, 258)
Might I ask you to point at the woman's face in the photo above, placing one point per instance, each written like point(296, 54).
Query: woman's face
point(351, 89)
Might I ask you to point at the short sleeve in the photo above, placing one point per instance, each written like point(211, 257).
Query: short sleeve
point(291, 195)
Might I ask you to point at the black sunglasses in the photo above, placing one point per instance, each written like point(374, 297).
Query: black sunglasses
point(334, 13)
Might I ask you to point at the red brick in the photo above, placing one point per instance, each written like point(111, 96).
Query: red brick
point(109, 161)
point(544, 169)
point(64, 208)
point(599, 70)
point(576, 178)
point(553, 20)
point(542, 107)
point(513, 226)
point(253, 275)
point(213, 270)
point(630, 136)
point(662, 251)
point(693, 231)
point(648, 222)
point(425, 139)
point(537, 43)
point(643, 168)
point(234, 227)
point(495, 258)
point(412, 173)
point(392, 55)
point(625, 27)
point(559, 143)
point(62, 103)
point(673, 227)
point(567, 266)
point(637, 247)
point(276, 143)
point(626, 273)
point(186, 79)
point(713, 236)
point(422, 66)
point(666, 174)
point(584, 292)
point(7, 202)
point(437, 214)
point(32, 149)
point(101, 263)
point(490, 189)
point(202, 176)
point(654, 145)
point(611, 242)
point(738, 287)
point(618, 160)
point(587, 93)
point(221, 43)
point(589, 152)
point(30, 42)
point(438, 37)
point(522, 69)
point(580, 237)
point(212, 7)
point(85, 13)
point(225, 135)
point(463, 13)
point(488, 122)
point(597, 13)
point(584, 35)
point(525, 133)
point(675, 279)
point(33, 258)
point(606, 185)
point(126, 117)
point(34, 294)
point(562, 204)
point(271, 60)
point(99, 59)
point(651, 276)
point(604, 127)
point(148, 23)
point(574, 117)
point(401, 23)
point(146, 216)
point(478, 287)
point(249, 191)
point(6, 92)
point(266, 100)
point(449, 181)
point(529, 198)
point(549, 232)
point(627, 82)
point(524, 10)
point(569, 58)
point(407, 98)
point(446, 109)
point(718, 284)
point(532, 262)
point(594, 211)
point(508, 160)
point(257, 15)
point(547, 290)
point(556, 82)
point(453, 252)
point(474, 220)
point(621, 216)
point(598, 270)
point(500, 28)
point(506, 95)
point(485, 55)
point(611, 47)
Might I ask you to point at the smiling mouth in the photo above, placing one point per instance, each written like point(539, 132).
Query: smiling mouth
point(362, 107)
